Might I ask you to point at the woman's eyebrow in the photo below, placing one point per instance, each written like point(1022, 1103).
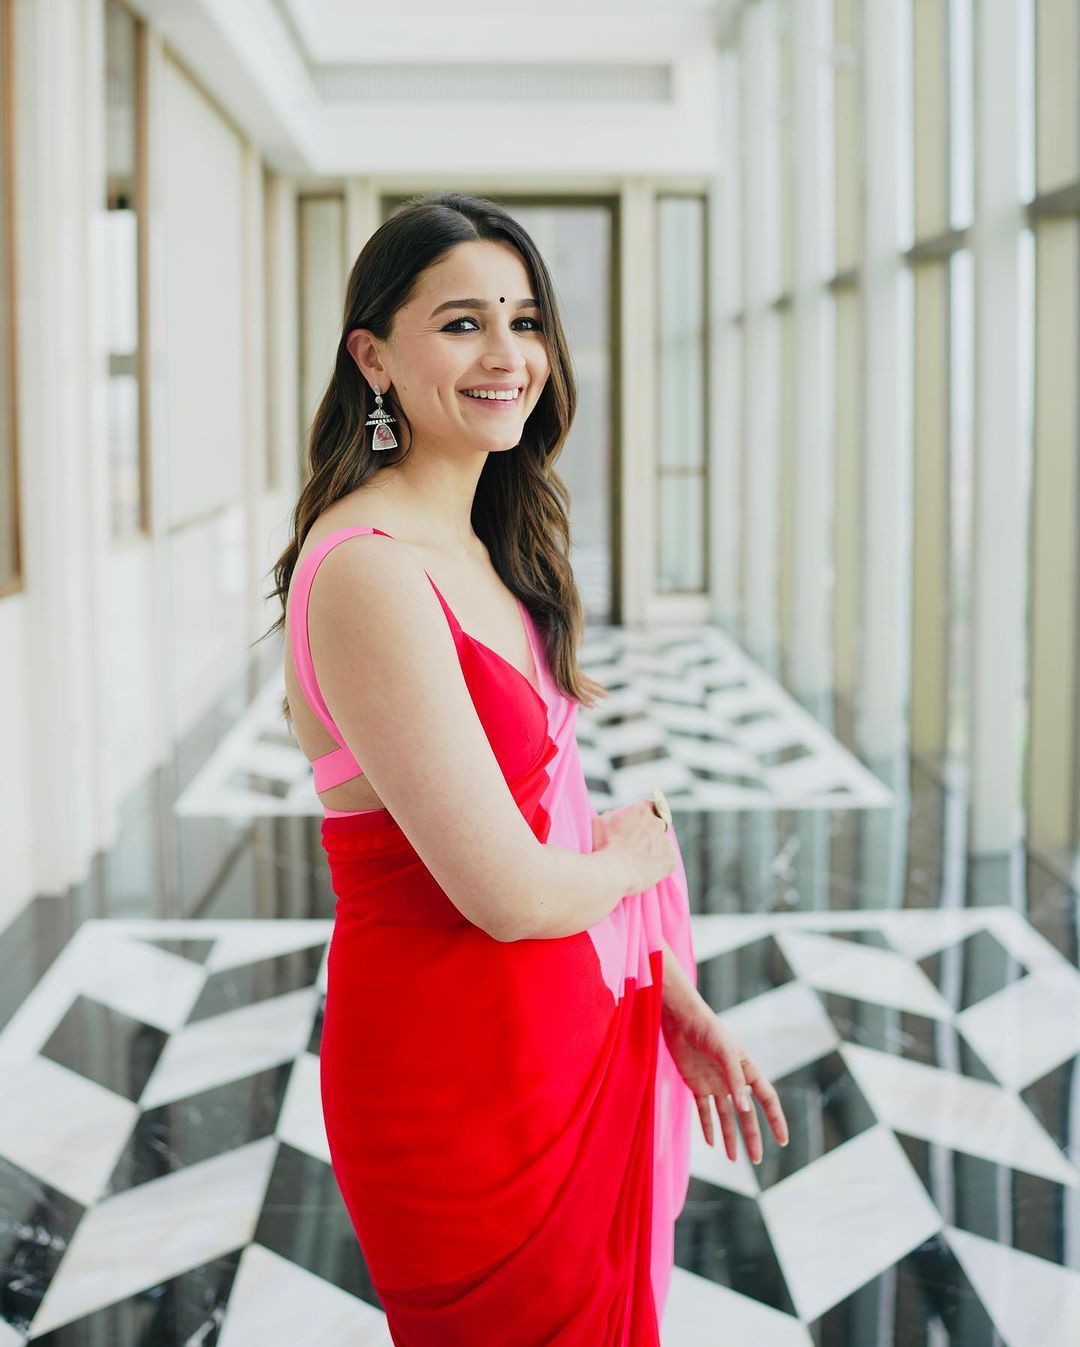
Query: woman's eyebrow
point(480, 304)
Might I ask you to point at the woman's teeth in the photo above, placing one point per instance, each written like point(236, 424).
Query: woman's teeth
point(505, 396)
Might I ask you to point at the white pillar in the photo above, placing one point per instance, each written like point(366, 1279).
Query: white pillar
point(999, 513)
point(59, 198)
point(761, 386)
point(881, 714)
point(810, 661)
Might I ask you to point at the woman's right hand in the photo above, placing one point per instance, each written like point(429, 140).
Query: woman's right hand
point(638, 833)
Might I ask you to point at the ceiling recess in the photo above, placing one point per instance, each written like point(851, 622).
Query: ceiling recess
point(525, 83)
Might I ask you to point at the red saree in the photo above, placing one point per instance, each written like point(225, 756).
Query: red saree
point(509, 1134)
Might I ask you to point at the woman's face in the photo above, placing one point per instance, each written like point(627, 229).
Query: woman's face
point(473, 323)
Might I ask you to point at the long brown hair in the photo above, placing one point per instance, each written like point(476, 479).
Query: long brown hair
point(520, 508)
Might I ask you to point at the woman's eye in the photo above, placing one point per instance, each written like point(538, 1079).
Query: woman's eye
point(453, 326)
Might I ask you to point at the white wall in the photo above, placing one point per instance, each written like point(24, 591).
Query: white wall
point(112, 651)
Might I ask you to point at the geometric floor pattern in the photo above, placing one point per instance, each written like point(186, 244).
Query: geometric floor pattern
point(164, 1175)
point(687, 710)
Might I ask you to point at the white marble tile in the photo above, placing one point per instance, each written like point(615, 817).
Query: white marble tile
point(63, 1128)
point(711, 1163)
point(865, 972)
point(1027, 1028)
point(715, 934)
point(701, 1313)
point(157, 1230)
point(919, 933)
point(275, 1303)
point(826, 1222)
point(231, 1046)
point(968, 1115)
point(32, 1024)
point(783, 1029)
point(1021, 939)
point(247, 942)
point(1033, 1303)
point(300, 1122)
point(146, 983)
point(9, 1337)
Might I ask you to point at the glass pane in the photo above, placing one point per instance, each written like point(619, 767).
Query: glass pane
point(847, 132)
point(1057, 93)
point(8, 530)
point(848, 512)
point(930, 110)
point(961, 485)
point(681, 543)
point(681, 331)
point(961, 115)
point(576, 243)
point(121, 262)
point(787, 154)
point(931, 525)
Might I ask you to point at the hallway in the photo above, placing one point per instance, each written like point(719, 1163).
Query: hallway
point(818, 263)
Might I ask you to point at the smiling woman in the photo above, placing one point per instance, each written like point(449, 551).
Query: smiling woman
point(509, 1133)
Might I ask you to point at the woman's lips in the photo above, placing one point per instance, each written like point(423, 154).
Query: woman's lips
point(497, 403)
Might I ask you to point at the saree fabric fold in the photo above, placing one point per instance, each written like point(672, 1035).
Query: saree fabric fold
point(510, 1137)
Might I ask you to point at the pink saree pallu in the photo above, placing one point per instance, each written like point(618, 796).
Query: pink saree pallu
point(508, 1131)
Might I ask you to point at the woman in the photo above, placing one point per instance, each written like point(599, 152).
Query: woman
point(509, 1134)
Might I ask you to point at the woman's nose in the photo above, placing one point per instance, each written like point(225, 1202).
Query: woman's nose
point(504, 351)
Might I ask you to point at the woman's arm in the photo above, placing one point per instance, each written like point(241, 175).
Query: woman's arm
point(680, 997)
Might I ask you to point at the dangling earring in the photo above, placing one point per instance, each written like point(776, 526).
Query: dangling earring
point(383, 437)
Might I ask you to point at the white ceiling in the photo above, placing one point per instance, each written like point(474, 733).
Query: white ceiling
point(336, 88)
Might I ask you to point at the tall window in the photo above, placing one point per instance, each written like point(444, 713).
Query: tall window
point(126, 417)
point(681, 412)
point(9, 514)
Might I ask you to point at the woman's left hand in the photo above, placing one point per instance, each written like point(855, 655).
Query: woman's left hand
point(710, 1061)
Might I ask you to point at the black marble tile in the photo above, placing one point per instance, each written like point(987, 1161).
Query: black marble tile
point(304, 1219)
point(868, 939)
point(37, 1222)
point(721, 1235)
point(915, 1038)
point(1053, 1099)
point(777, 757)
point(198, 951)
point(924, 1300)
point(106, 1046)
point(637, 756)
point(824, 1108)
point(738, 780)
point(314, 1043)
point(727, 979)
point(259, 981)
point(972, 969)
point(1007, 1205)
point(213, 1122)
point(186, 1311)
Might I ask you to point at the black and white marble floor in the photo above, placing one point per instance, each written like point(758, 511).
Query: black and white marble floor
point(164, 1177)
point(687, 711)
point(165, 1174)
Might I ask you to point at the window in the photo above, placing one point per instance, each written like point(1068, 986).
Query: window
point(123, 151)
point(9, 477)
point(681, 411)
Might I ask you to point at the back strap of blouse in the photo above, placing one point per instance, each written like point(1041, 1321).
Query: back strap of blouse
point(298, 622)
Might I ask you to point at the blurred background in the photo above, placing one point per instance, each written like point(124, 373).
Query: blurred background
point(819, 262)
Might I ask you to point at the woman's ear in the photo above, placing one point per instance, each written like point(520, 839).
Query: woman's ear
point(361, 346)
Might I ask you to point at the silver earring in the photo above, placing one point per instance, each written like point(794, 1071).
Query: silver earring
point(383, 437)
